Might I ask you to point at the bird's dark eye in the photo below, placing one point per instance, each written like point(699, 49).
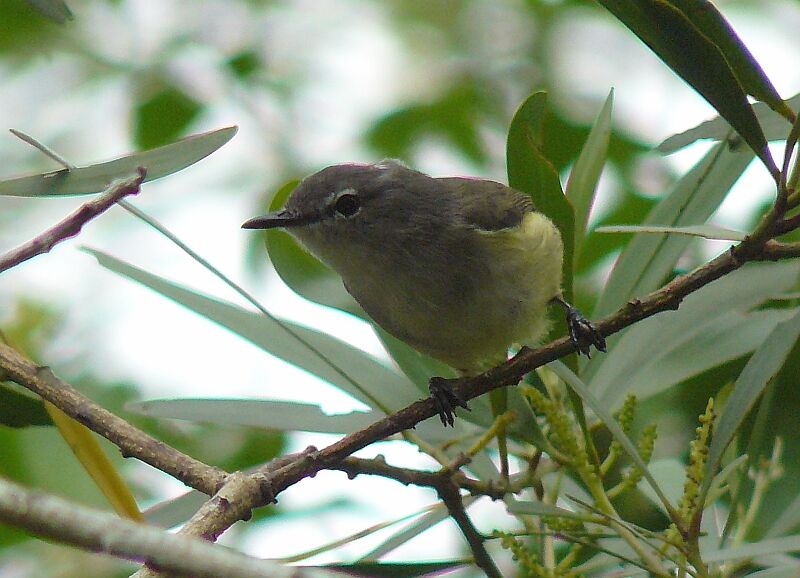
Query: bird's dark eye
point(347, 204)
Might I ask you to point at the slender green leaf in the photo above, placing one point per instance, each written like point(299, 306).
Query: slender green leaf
point(670, 473)
point(175, 511)
point(706, 231)
point(762, 548)
point(579, 387)
point(775, 128)
point(356, 536)
point(788, 520)
point(687, 50)
point(163, 116)
point(526, 507)
point(780, 572)
point(531, 173)
point(274, 415)
point(482, 465)
point(583, 179)
point(18, 408)
point(713, 325)
point(393, 569)
point(159, 162)
point(413, 530)
point(759, 371)
point(373, 378)
point(719, 485)
point(705, 16)
point(649, 259)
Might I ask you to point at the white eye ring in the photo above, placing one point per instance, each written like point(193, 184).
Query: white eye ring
point(347, 203)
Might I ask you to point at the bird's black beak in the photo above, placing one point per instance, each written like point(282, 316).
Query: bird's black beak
point(278, 219)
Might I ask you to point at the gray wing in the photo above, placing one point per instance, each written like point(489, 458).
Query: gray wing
point(489, 205)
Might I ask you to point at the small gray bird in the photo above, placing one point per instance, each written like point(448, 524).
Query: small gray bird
point(461, 269)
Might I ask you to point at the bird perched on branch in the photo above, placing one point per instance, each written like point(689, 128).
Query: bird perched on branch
point(460, 269)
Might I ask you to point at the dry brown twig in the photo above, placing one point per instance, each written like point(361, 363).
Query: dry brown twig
point(72, 224)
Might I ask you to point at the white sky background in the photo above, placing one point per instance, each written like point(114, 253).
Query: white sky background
point(352, 69)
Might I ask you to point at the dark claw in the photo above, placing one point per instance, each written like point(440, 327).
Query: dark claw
point(446, 400)
point(582, 333)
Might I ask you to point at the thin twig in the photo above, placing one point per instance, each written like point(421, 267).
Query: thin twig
point(353, 467)
point(451, 497)
point(72, 224)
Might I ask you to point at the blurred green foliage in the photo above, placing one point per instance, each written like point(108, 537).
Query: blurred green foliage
point(163, 117)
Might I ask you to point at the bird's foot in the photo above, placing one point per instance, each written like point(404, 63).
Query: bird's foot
point(582, 333)
point(445, 399)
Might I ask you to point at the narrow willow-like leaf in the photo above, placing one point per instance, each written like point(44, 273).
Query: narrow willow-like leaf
point(713, 325)
point(576, 384)
point(775, 128)
point(648, 259)
point(779, 572)
point(393, 569)
point(670, 473)
point(19, 408)
point(423, 523)
point(531, 173)
point(369, 379)
point(706, 231)
point(175, 511)
point(526, 507)
point(788, 520)
point(711, 23)
point(751, 550)
point(96, 462)
point(762, 367)
point(582, 184)
point(356, 536)
point(687, 50)
point(262, 413)
point(159, 162)
point(720, 482)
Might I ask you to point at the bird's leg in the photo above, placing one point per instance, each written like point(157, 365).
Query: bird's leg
point(581, 331)
point(446, 399)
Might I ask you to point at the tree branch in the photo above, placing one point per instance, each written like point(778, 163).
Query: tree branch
point(132, 441)
point(72, 224)
point(57, 519)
